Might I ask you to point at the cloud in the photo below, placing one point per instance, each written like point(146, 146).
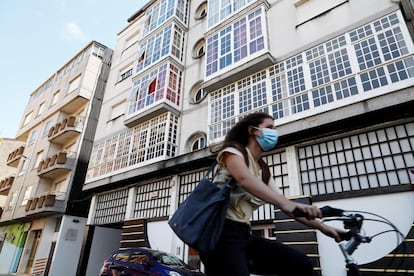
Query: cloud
point(73, 32)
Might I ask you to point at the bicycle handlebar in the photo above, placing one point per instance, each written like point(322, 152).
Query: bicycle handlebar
point(327, 211)
point(352, 220)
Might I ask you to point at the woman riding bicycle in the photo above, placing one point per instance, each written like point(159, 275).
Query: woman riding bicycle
point(239, 253)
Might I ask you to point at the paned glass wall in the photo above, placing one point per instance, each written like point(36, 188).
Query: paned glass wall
point(371, 60)
point(151, 141)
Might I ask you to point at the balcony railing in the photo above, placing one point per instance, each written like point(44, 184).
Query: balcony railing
point(56, 165)
point(5, 185)
point(51, 202)
point(14, 157)
point(67, 129)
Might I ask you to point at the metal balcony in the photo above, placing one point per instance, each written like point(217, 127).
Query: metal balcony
point(56, 165)
point(66, 130)
point(5, 185)
point(48, 203)
point(14, 157)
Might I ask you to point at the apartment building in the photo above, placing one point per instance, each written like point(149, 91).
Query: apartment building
point(338, 78)
point(45, 212)
point(7, 173)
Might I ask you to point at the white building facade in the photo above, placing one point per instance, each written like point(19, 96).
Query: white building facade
point(338, 78)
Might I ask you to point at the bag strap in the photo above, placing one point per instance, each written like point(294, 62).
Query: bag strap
point(262, 164)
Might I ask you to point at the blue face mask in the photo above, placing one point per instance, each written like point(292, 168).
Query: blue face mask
point(269, 138)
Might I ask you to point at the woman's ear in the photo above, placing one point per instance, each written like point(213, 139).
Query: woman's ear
point(251, 130)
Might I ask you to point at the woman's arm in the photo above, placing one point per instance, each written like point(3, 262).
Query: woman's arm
point(241, 173)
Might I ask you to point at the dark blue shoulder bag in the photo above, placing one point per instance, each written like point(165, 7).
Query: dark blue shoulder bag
point(199, 220)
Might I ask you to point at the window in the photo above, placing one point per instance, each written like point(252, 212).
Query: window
point(60, 188)
point(55, 98)
point(363, 62)
point(152, 86)
point(27, 118)
point(197, 93)
point(162, 10)
point(220, 10)
point(13, 200)
point(24, 167)
point(150, 141)
point(33, 137)
point(236, 42)
point(199, 48)
point(48, 125)
point(39, 157)
point(169, 40)
point(41, 108)
point(125, 74)
point(27, 194)
point(201, 11)
point(117, 110)
point(163, 83)
point(73, 84)
point(132, 39)
point(139, 258)
point(198, 141)
point(98, 51)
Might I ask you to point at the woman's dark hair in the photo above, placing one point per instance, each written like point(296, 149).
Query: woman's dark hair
point(238, 135)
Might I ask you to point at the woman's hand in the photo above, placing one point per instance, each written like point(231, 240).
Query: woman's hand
point(332, 232)
point(310, 211)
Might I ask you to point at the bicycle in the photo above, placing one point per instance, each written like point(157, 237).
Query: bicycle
point(353, 221)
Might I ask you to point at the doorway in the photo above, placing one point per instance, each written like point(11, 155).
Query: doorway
point(35, 243)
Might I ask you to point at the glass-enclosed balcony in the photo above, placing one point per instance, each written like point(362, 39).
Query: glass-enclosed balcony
point(163, 10)
point(237, 50)
point(167, 42)
point(155, 93)
point(151, 141)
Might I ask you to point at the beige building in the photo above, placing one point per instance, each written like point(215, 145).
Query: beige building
point(44, 214)
point(7, 173)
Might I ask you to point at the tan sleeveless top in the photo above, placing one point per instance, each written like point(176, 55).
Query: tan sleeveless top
point(242, 204)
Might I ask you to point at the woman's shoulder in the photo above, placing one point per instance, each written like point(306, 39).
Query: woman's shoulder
point(229, 149)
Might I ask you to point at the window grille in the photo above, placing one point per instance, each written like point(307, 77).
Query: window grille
point(368, 160)
point(111, 207)
point(277, 163)
point(187, 183)
point(153, 200)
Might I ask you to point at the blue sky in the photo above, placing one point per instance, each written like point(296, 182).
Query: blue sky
point(37, 37)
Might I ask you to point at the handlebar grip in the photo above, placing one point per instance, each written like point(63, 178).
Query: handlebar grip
point(299, 213)
point(327, 211)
